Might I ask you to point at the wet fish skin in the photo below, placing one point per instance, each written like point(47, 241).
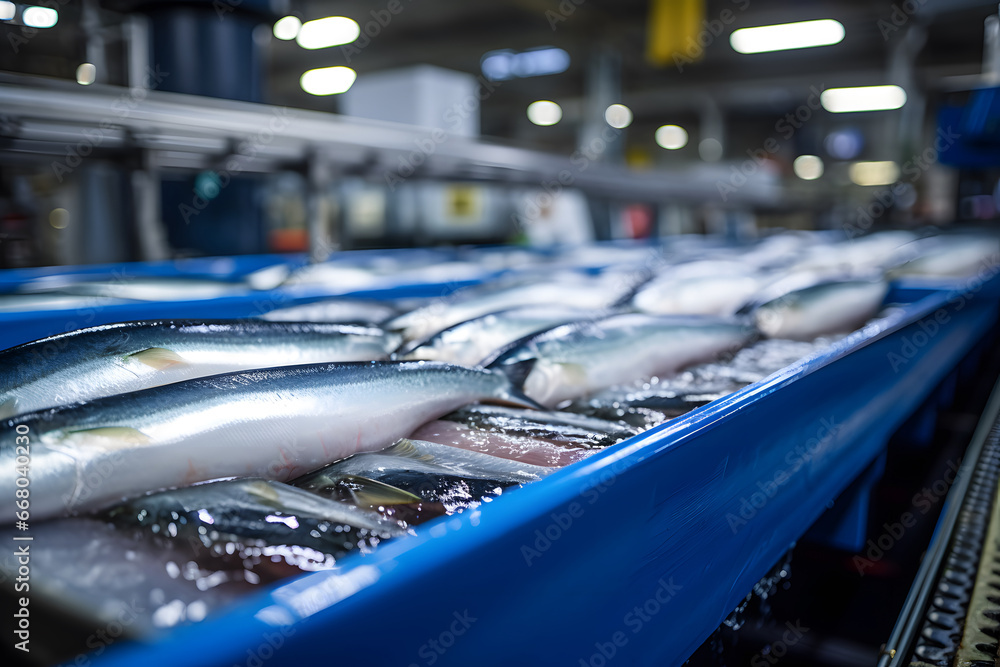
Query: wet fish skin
point(276, 423)
point(549, 425)
point(390, 502)
point(821, 309)
point(344, 311)
point(574, 360)
point(257, 511)
point(129, 356)
point(584, 293)
point(454, 478)
point(504, 444)
point(469, 342)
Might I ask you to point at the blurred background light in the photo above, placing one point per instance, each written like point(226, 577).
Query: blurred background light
point(287, 28)
point(86, 74)
point(844, 144)
point(671, 137)
point(324, 33)
point(883, 172)
point(506, 64)
point(328, 80)
point(863, 98)
point(710, 149)
point(618, 116)
point(808, 167)
point(544, 112)
point(799, 35)
point(39, 17)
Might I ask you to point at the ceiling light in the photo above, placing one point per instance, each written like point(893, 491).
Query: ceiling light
point(39, 17)
point(86, 74)
point(544, 112)
point(874, 173)
point(808, 167)
point(800, 35)
point(324, 33)
point(671, 137)
point(864, 98)
point(618, 116)
point(328, 80)
point(287, 28)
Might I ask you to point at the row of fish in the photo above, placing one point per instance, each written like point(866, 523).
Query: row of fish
point(237, 453)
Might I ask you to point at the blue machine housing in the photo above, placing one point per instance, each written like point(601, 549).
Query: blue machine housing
point(635, 554)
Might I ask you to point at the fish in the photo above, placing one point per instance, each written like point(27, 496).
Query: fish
point(655, 402)
point(708, 294)
point(455, 478)
point(573, 360)
point(344, 311)
point(256, 512)
point(130, 356)
point(947, 256)
point(274, 423)
point(469, 342)
point(581, 293)
point(516, 447)
point(823, 308)
point(390, 502)
point(559, 427)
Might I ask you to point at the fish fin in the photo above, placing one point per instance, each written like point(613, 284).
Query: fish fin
point(159, 358)
point(117, 436)
point(517, 372)
point(375, 493)
point(406, 448)
point(8, 408)
point(514, 398)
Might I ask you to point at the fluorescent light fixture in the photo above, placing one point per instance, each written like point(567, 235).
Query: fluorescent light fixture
point(544, 112)
point(86, 74)
point(287, 28)
point(808, 167)
point(671, 137)
point(506, 64)
point(324, 33)
point(800, 35)
point(864, 98)
point(39, 17)
point(328, 80)
point(710, 149)
point(7, 10)
point(618, 116)
point(874, 173)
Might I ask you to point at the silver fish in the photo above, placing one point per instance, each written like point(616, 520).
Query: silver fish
point(582, 292)
point(445, 478)
point(574, 360)
point(820, 309)
point(334, 310)
point(471, 341)
point(129, 356)
point(275, 423)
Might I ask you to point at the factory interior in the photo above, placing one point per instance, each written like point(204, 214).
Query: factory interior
point(673, 329)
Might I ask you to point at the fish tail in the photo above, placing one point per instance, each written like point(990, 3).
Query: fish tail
point(513, 394)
